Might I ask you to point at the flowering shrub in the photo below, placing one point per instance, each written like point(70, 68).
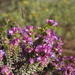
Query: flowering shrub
point(33, 51)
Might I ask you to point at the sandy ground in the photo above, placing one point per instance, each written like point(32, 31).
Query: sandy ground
point(69, 48)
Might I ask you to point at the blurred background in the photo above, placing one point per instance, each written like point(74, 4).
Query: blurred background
point(35, 12)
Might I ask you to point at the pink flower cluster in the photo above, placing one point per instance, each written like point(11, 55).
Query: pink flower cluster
point(43, 47)
point(5, 70)
point(52, 22)
point(66, 65)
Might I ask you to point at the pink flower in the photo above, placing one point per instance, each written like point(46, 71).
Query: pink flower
point(31, 60)
point(31, 49)
point(38, 27)
point(4, 70)
point(2, 53)
point(15, 42)
point(27, 39)
point(39, 58)
point(13, 31)
point(10, 32)
point(52, 55)
point(54, 23)
point(6, 19)
point(44, 61)
point(29, 28)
